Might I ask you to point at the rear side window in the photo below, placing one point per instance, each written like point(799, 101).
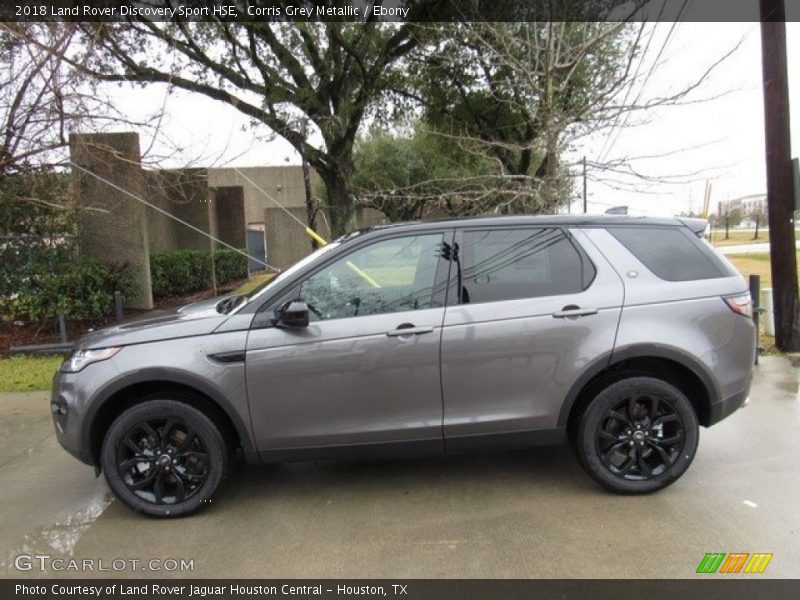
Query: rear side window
point(501, 265)
point(671, 253)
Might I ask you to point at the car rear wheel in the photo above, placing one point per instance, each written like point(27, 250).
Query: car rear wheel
point(164, 458)
point(637, 436)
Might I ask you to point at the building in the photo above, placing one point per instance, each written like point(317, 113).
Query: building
point(129, 212)
point(745, 205)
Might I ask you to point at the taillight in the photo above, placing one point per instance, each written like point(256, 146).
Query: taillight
point(741, 304)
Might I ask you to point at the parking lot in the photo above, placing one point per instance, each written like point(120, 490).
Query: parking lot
point(514, 514)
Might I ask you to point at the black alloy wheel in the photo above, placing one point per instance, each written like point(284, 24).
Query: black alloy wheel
point(638, 435)
point(165, 458)
point(162, 461)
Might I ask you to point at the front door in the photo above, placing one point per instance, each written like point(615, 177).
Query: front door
point(365, 372)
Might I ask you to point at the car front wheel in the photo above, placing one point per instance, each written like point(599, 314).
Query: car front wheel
point(637, 436)
point(164, 458)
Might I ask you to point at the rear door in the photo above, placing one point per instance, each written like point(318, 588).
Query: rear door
point(528, 310)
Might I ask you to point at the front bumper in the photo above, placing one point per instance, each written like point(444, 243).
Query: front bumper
point(70, 391)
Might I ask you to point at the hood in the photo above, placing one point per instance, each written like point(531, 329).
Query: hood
point(198, 318)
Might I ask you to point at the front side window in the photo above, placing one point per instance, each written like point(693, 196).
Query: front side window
point(393, 275)
point(499, 265)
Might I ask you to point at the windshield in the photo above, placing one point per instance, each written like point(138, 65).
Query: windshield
point(311, 258)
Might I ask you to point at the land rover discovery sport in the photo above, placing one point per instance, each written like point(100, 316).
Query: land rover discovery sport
point(622, 335)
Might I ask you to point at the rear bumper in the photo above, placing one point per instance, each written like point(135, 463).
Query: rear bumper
point(728, 406)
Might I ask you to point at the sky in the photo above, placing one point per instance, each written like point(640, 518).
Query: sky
point(718, 137)
point(721, 139)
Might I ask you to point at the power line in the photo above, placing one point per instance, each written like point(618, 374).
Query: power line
point(162, 211)
point(170, 215)
point(263, 191)
point(609, 143)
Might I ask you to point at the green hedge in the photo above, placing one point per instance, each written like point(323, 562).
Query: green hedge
point(229, 266)
point(79, 289)
point(179, 272)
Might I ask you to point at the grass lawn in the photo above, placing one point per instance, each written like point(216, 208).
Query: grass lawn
point(253, 283)
point(738, 237)
point(753, 264)
point(758, 264)
point(27, 373)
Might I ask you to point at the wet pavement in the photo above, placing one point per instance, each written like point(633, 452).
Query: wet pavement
point(513, 514)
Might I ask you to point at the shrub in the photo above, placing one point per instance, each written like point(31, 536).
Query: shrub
point(33, 233)
point(178, 272)
point(82, 289)
point(229, 265)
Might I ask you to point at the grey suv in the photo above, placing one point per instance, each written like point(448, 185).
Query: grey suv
point(620, 334)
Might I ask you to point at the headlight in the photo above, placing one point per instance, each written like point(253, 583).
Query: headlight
point(81, 358)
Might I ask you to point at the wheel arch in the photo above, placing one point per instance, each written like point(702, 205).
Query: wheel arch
point(673, 365)
point(130, 390)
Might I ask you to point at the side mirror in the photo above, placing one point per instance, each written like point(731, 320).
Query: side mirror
point(293, 314)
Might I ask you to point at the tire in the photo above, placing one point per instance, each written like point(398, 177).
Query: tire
point(164, 458)
point(628, 459)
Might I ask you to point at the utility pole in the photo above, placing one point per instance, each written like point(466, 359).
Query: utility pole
point(780, 199)
point(584, 185)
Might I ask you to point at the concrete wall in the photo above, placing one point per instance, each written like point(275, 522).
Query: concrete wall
point(185, 194)
point(284, 184)
point(369, 217)
point(218, 201)
point(229, 213)
point(111, 225)
point(286, 239)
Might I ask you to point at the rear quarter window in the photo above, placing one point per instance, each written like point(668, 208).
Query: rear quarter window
point(672, 253)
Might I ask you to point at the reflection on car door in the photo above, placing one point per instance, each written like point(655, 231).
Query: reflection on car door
point(366, 369)
point(531, 308)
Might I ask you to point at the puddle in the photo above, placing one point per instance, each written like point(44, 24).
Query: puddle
point(62, 536)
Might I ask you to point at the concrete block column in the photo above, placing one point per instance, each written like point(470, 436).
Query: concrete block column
point(111, 225)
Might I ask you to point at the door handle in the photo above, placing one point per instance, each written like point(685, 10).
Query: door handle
point(573, 311)
point(408, 329)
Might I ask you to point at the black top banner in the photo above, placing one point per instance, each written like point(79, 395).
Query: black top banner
point(421, 11)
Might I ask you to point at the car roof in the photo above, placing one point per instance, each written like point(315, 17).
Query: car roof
point(696, 225)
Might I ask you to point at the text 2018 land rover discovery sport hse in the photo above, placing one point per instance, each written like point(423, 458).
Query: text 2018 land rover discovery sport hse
point(622, 334)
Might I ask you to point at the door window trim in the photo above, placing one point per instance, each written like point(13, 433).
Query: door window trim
point(265, 314)
point(453, 295)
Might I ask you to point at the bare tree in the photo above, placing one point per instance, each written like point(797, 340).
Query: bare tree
point(732, 217)
point(40, 99)
point(758, 215)
point(278, 74)
point(44, 99)
point(45, 95)
point(513, 95)
point(494, 102)
point(514, 98)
